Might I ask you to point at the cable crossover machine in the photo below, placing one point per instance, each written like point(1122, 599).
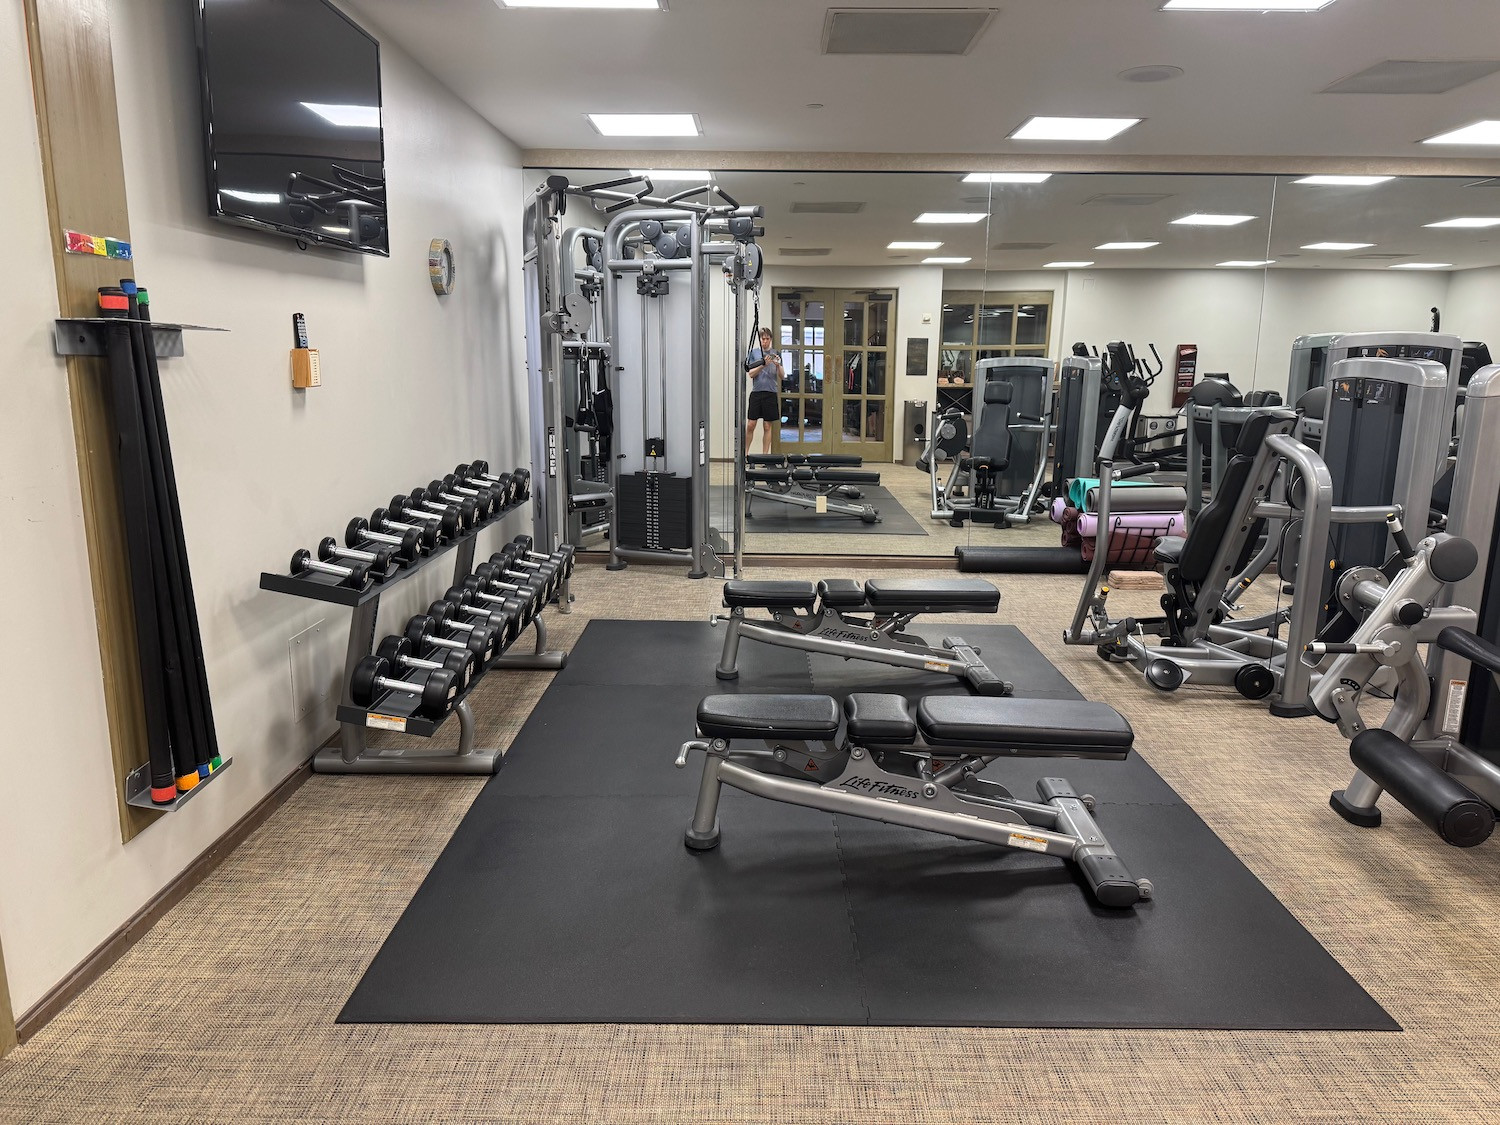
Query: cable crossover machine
point(618, 355)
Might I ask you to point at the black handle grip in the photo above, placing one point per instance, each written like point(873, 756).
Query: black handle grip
point(1137, 471)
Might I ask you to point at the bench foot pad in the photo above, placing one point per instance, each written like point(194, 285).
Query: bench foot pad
point(702, 841)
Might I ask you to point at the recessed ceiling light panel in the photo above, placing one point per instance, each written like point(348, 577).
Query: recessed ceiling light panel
point(645, 124)
point(1066, 265)
point(667, 175)
point(913, 245)
point(1126, 245)
point(251, 196)
point(950, 217)
point(1007, 177)
point(1344, 181)
point(347, 116)
point(1468, 223)
point(1338, 246)
point(945, 261)
point(1421, 266)
point(633, 5)
point(1242, 265)
point(1479, 133)
point(1073, 128)
point(1206, 220)
point(1245, 5)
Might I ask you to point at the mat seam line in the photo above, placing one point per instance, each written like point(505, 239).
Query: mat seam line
point(859, 966)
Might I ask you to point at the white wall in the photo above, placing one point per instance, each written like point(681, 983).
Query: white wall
point(1473, 306)
point(413, 384)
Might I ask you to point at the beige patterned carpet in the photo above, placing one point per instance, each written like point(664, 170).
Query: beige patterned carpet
point(262, 955)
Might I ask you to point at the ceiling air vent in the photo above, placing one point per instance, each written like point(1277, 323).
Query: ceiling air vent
point(1023, 245)
point(1127, 199)
point(903, 31)
point(835, 207)
point(1380, 257)
point(805, 251)
point(1414, 76)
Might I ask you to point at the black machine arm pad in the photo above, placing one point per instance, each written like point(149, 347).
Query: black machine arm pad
point(1432, 796)
point(1136, 471)
point(1476, 650)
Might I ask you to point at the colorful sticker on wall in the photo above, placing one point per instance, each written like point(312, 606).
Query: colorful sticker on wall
point(80, 243)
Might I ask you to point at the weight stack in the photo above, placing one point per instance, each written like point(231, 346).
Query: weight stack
point(655, 511)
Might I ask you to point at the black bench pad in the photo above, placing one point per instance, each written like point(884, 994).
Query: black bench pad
point(1033, 727)
point(842, 593)
point(803, 475)
point(942, 595)
point(1169, 548)
point(848, 460)
point(769, 595)
point(810, 717)
point(880, 719)
point(769, 476)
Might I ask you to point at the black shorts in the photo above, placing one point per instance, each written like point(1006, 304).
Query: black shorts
point(764, 408)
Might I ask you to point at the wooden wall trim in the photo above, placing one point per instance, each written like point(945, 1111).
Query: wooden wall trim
point(83, 170)
point(97, 963)
point(7, 1016)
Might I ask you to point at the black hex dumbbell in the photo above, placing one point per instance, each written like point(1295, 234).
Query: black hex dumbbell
point(356, 576)
point(380, 557)
point(436, 689)
point(407, 543)
point(401, 654)
point(439, 628)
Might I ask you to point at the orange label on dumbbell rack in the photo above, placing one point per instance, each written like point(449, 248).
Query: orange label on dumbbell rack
point(384, 722)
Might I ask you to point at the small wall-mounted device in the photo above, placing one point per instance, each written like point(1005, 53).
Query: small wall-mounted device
point(306, 371)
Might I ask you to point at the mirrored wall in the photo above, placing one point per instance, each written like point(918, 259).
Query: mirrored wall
point(884, 292)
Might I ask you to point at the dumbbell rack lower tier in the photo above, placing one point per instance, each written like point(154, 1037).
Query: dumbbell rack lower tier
point(395, 710)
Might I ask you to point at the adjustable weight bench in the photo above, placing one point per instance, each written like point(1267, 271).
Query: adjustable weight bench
point(920, 770)
point(812, 460)
point(809, 486)
point(861, 621)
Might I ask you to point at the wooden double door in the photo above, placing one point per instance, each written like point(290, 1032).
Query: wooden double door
point(836, 353)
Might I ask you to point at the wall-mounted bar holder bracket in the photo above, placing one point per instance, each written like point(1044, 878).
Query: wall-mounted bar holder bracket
point(138, 788)
point(86, 336)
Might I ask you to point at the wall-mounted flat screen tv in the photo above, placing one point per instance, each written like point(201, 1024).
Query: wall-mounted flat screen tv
point(291, 114)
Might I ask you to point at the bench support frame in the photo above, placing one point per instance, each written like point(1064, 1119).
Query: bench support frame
point(951, 801)
point(867, 635)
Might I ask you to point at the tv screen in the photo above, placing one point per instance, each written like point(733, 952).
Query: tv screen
point(291, 113)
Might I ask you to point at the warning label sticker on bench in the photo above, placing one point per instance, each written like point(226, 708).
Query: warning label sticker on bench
point(384, 722)
point(1030, 843)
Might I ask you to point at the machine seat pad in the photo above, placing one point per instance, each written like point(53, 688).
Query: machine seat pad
point(1169, 548)
point(926, 595)
point(816, 475)
point(842, 593)
point(881, 719)
point(1037, 727)
point(769, 595)
point(797, 717)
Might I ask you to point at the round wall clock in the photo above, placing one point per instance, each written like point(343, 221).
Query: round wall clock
point(440, 266)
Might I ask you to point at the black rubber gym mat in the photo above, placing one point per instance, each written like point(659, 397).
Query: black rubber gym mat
point(772, 518)
point(566, 894)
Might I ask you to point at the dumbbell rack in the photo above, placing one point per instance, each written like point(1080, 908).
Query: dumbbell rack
point(395, 710)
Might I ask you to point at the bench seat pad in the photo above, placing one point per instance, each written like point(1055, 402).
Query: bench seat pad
point(883, 720)
point(769, 595)
point(802, 474)
point(797, 717)
point(1036, 727)
point(925, 595)
point(1169, 548)
point(842, 593)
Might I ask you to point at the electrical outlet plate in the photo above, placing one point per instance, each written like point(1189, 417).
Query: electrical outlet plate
point(310, 682)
